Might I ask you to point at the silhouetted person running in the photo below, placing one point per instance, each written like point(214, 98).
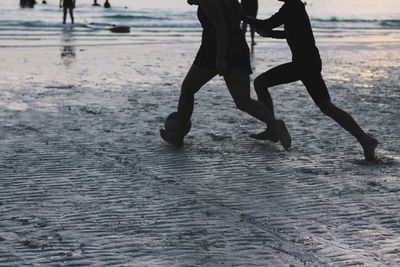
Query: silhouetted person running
point(223, 51)
point(305, 66)
point(107, 4)
point(68, 5)
point(250, 8)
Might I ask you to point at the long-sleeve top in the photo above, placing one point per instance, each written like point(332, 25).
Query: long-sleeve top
point(297, 31)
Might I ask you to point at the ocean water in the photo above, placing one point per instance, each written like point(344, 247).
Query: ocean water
point(161, 21)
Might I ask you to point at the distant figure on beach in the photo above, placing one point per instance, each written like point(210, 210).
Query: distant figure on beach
point(250, 8)
point(68, 5)
point(44, 2)
point(223, 51)
point(107, 4)
point(95, 3)
point(27, 3)
point(306, 66)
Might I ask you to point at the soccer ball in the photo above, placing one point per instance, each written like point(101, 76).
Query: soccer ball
point(171, 123)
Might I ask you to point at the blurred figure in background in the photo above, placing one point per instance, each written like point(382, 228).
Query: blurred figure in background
point(107, 4)
point(27, 3)
point(250, 9)
point(95, 3)
point(68, 5)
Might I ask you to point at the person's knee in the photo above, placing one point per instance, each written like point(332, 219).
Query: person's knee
point(261, 83)
point(243, 104)
point(326, 107)
point(258, 83)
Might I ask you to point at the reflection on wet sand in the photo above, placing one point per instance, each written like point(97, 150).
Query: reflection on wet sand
point(68, 52)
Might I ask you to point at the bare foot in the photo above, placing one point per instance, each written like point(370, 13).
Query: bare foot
point(283, 134)
point(266, 135)
point(369, 147)
point(171, 138)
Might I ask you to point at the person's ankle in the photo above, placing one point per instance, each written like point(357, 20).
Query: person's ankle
point(365, 138)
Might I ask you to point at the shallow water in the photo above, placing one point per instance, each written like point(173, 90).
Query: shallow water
point(175, 21)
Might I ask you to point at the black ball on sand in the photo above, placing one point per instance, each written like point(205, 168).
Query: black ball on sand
point(171, 123)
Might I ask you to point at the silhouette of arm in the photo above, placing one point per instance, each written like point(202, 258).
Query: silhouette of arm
point(267, 25)
point(213, 12)
point(61, 1)
point(273, 34)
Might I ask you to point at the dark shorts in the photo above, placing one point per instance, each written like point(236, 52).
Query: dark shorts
point(250, 7)
point(68, 4)
point(240, 60)
point(309, 75)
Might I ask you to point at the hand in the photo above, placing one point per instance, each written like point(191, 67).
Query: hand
point(222, 67)
point(193, 2)
point(265, 33)
point(256, 23)
point(247, 19)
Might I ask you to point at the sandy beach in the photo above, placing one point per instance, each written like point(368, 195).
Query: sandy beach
point(86, 180)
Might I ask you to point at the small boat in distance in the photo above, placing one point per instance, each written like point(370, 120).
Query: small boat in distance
point(107, 26)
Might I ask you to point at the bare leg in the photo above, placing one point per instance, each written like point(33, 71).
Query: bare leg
point(71, 13)
point(261, 84)
point(194, 80)
point(65, 15)
point(317, 89)
point(282, 74)
point(238, 84)
point(344, 119)
point(252, 32)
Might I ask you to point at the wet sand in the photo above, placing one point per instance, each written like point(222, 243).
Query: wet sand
point(86, 180)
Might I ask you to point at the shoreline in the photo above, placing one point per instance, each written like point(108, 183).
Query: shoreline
point(389, 44)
